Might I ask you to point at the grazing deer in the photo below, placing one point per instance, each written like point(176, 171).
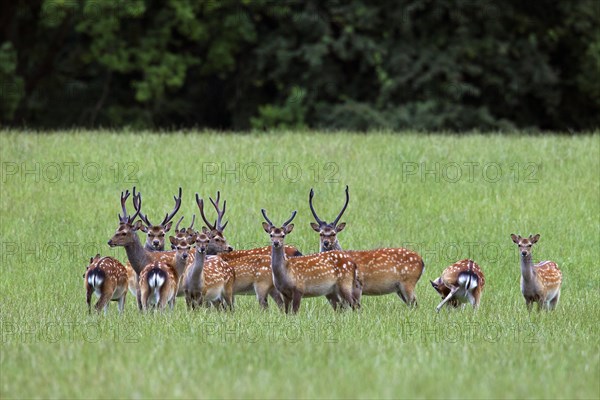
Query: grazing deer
point(461, 282)
point(381, 271)
point(208, 279)
point(126, 236)
point(108, 279)
point(540, 283)
point(155, 241)
point(332, 274)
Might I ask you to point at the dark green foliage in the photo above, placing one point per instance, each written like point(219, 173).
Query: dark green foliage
point(430, 65)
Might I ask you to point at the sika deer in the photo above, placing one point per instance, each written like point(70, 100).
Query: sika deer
point(108, 279)
point(208, 279)
point(381, 271)
point(332, 274)
point(461, 282)
point(155, 241)
point(540, 283)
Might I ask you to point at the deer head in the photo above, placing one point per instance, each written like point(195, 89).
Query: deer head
point(182, 245)
point(525, 244)
point(126, 231)
point(155, 240)
point(187, 233)
point(277, 234)
point(202, 242)
point(328, 231)
point(218, 243)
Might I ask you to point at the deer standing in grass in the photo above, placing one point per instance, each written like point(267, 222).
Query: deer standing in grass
point(160, 282)
point(252, 269)
point(332, 274)
point(208, 279)
point(126, 236)
point(155, 240)
point(381, 271)
point(108, 279)
point(540, 283)
point(461, 282)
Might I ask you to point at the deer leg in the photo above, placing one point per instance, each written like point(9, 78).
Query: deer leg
point(287, 303)
point(138, 294)
point(554, 301)
point(122, 302)
point(529, 304)
point(261, 296)
point(348, 296)
point(88, 298)
point(452, 292)
point(333, 300)
point(103, 302)
point(277, 297)
point(297, 296)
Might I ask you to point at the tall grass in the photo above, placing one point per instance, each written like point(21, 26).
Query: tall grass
point(447, 197)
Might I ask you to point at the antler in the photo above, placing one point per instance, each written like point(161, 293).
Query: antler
point(124, 197)
point(264, 213)
point(343, 209)
point(220, 213)
point(137, 204)
point(290, 220)
point(178, 222)
point(200, 203)
point(185, 229)
point(314, 213)
point(170, 216)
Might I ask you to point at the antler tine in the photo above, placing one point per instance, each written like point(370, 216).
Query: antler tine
point(264, 213)
point(193, 220)
point(177, 206)
point(220, 213)
point(178, 222)
point(137, 204)
point(200, 203)
point(314, 213)
point(291, 218)
point(124, 197)
point(343, 209)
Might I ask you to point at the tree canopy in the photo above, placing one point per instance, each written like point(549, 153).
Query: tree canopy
point(360, 65)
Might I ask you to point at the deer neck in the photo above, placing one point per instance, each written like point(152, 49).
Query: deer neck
point(197, 268)
point(180, 264)
point(336, 246)
point(137, 255)
point(527, 268)
point(279, 265)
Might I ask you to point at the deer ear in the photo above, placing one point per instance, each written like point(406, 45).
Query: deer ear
point(514, 238)
point(289, 228)
point(266, 227)
point(535, 238)
point(137, 225)
point(172, 240)
point(340, 227)
point(315, 227)
point(168, 226)
point(205, 230)
point(144, 228)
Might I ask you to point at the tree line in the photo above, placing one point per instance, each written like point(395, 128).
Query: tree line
point(361, 65)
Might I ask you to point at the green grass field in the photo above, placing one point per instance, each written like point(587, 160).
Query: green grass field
point(447, 197)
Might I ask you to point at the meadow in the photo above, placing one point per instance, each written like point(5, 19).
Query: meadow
point(448, 197)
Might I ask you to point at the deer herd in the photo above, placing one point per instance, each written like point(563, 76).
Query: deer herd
point(204, 268)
